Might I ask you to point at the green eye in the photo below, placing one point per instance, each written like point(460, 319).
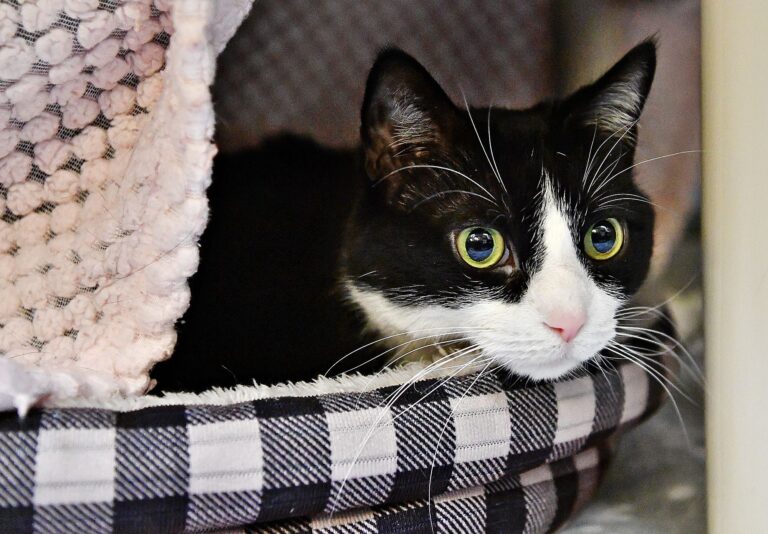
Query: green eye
point(604, 239)
point(480, 247)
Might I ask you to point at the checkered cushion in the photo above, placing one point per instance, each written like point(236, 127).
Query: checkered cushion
point(538, 500)
point(480, 451)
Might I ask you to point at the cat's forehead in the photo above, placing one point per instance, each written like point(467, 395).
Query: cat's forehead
point(519, 148)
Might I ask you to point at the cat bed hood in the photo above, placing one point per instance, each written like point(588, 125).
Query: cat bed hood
point(106, 129)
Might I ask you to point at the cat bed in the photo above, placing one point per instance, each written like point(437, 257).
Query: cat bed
point(106, 129)
point(473, 454)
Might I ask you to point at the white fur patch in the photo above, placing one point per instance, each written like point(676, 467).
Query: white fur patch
point(619, 106)
point(411, 125)
point(514, 335)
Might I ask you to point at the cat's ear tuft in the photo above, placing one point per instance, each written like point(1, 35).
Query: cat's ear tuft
point(406, 116)
point(614, 102)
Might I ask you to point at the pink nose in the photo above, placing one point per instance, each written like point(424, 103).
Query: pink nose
point(567, 326)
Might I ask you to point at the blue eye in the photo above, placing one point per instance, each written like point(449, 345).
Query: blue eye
point(480, 247)
point(604, 239)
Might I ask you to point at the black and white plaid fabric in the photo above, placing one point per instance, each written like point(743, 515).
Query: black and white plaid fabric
point(539, 500)
point(471, 454)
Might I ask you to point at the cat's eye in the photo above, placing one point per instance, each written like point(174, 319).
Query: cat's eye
point(480, 247)
point(604, 239)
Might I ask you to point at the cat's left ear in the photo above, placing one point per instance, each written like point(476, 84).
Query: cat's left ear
point(406, 118)
point(614, 102)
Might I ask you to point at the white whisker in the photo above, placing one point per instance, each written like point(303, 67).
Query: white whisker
point(388, 403)
point(450, 191)
point(437, 330)
point(611, 178)
point(659, 379)
point(596, 176)
point(490, 198)
point(479, 140)
point(493, 158)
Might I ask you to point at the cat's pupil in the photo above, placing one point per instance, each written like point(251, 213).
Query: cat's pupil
point(603, 237)
point(479, 244)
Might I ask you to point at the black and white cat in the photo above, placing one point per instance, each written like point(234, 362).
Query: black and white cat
point(514, 234)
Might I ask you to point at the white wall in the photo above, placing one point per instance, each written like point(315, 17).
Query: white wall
point(735, 113)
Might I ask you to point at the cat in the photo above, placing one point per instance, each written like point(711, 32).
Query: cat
point(516, 235)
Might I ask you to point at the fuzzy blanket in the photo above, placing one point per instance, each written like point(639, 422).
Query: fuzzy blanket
point(106, 131)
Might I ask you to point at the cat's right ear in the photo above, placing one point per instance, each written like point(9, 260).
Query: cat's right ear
point(407, 119)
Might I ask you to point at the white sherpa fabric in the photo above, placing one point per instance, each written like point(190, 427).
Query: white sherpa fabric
point(106, 131)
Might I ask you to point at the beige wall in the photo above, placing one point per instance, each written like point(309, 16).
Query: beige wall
point(592, 35)
point(735, 113)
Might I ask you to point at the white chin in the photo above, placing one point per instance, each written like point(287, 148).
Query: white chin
point(543, 370)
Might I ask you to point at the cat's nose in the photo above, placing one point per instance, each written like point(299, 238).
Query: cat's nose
point(565, 325)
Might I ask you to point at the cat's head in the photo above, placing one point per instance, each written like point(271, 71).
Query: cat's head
point(521, 232)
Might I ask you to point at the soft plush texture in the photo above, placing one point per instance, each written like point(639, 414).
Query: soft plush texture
point(105, 155)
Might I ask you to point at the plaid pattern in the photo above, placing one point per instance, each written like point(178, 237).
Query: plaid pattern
point(473, 453)
point(538, 500)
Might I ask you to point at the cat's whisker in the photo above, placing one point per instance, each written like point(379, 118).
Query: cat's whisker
point(593, 157)
point(656, 309)
point(597, 152)
point(479, 140)
point(442, 432)
point(622, 353)
point(639, 313)
point(653, 357)
point(601, 363)
point(441, 382)
point(626, 330)
point(490, 148)
point(611, 178)
point(384, 407)
point(597, 174)
point(608, 204)
point(610, 168)
point(400, 334)
point(422, 373)
point(490, 197)
point(588, 165)
point(658, 378)
point(450, 191)
point(453, 356)
point(440, 364)
point(630, 352)
point(401, 357)
point(621, 195)
point(479, 359)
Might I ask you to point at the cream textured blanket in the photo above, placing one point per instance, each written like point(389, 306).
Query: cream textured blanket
point(106, 131)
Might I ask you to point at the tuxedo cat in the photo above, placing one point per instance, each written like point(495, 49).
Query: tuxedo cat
point(516, 235)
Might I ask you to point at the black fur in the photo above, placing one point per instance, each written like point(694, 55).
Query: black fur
point(291, 221)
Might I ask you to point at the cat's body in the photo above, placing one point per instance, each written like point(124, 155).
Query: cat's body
point(290, 321)
point(515, 236)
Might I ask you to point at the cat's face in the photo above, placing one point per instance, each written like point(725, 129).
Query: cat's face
point(519, 232)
